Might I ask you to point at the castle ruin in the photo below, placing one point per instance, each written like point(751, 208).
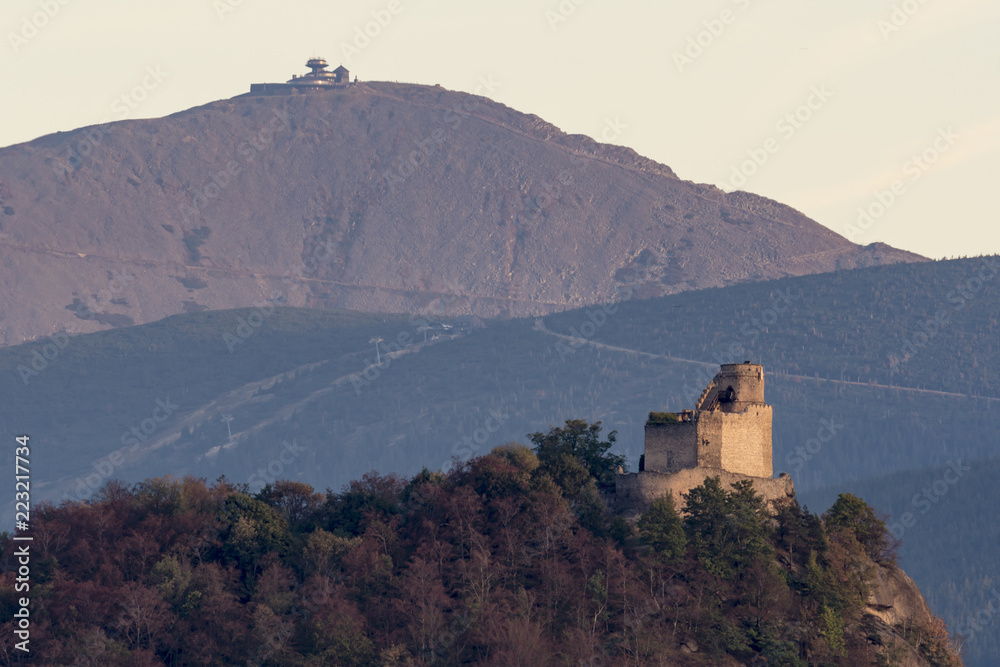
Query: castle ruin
point(726, 435)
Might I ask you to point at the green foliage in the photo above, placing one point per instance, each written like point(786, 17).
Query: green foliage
point(660, 526)
point(518, 455)
point(568, 472)
point(957, 528)
point(374, 495)
point(780, 652)
point(163, 495)
point(832, 631)
point(663, 418)
point(840, 326)
point(855, 517)
point(728, 529)
point(799, 533)
point(295, 501)
point(253, 529)
point(581, 441)
point(620, 531)
point(495, 477)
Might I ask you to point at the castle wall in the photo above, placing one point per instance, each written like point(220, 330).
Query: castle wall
point(670, 447)
point(728, 436)
point(737, 442)
point(746, 441)
point(710, 440)
point(634, 491)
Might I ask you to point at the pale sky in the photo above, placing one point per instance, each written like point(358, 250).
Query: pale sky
point(822, 106)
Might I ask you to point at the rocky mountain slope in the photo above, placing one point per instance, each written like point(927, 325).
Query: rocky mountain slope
point(381, 198)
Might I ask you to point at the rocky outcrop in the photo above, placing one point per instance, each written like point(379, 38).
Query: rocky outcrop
point(897, 613)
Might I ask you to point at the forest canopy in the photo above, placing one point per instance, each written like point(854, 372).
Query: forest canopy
point(509, 558)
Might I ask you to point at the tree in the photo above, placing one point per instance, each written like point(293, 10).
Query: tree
point(661, 527)
point(728, 529)
point(253, 530)
point(517, 455)
point(296, 501)
point(379, 494)
point(798, 532)
point(582, 441)
point(855, 517)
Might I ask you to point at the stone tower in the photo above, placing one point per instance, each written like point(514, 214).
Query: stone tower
point(737, 387)
point(727, 435)
point(729, 429)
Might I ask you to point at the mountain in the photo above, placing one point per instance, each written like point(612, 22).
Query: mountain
point(876, 371)
point(380, 197)
point(856, 389)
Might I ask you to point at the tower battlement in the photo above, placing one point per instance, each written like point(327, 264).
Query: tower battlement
point(727, 434)
point(729, 429)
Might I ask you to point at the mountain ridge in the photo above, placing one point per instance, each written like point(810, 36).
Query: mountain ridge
point(225, 204)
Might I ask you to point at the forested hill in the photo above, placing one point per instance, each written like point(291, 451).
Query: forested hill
point(507, 559)
point(945, 517)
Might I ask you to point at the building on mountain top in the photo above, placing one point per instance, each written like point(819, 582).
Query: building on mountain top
point(317, 79)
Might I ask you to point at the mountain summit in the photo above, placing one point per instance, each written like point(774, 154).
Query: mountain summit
point(379, 197)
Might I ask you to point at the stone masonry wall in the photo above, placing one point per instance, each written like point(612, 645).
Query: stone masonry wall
point(737, 442)
point(746, 380)
point(670, 447)
point(634, 491)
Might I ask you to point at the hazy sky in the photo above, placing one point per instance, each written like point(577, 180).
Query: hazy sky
point(828, 107)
